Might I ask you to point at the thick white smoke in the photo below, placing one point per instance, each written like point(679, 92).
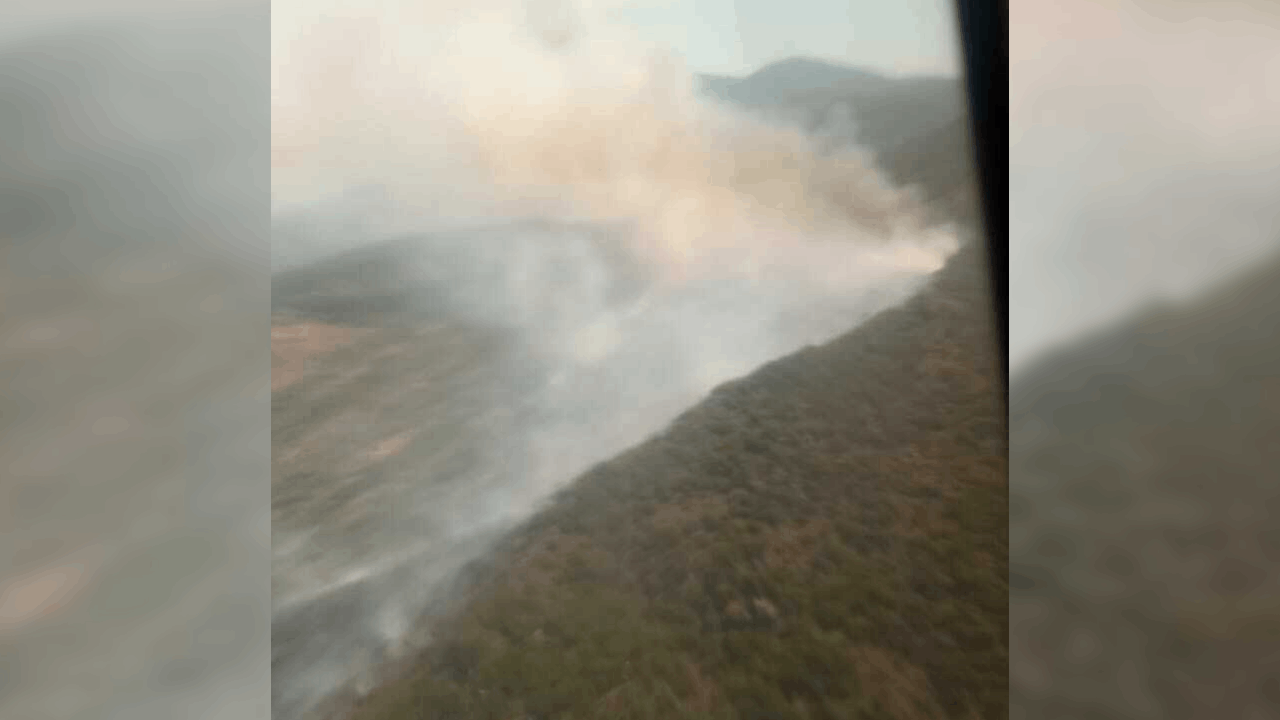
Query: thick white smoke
point(468, 111)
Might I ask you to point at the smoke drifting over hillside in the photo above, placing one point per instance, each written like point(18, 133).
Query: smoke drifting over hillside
point(559, 182)
point(467, 112)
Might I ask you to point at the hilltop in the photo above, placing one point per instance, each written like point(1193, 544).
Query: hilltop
point(773, 83)
point(915, 127)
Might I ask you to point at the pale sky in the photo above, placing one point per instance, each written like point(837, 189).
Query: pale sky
point(715, 36)
point(736, 37)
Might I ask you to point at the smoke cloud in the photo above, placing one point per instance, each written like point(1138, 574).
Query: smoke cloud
point(473, 112)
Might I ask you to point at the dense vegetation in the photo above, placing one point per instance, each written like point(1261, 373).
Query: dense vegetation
point(825, 538)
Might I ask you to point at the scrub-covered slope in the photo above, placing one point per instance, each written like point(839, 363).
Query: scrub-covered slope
point(825, 538)
point(1144, 505)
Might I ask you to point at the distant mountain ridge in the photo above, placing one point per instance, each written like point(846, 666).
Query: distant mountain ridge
point(916, 126)
point(774, 82)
